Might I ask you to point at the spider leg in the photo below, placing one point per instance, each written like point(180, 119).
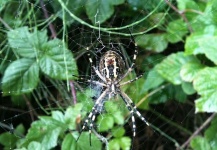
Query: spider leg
point(135, 111)
point(90, 81)
point(96, 70)
point(130, 81)
point(99, 74)
point(129, 107)
point(133, 61)
point(91, 117)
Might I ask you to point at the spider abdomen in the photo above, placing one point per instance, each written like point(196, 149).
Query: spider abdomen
point(111, 65)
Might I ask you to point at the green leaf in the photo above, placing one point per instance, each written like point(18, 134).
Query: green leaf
point(203, 42)
point(69, 143)
point(113, 110)
point(35, 145)
point(71, 114)
point(160, 97)
point(153, 75)
point(152, 42)
point(192, 43)
point(180, 96)
point(21, 76)
point(118, 132)
point(85, 97)
point(114, 144)
point(8, 140)
point(57, 61)
point(205, 84)
point(134, 94)
point(118, 117)
point(190, 70)
point(125, 143)
point(200, 143)
point(111, 107)
point(83, 142)
point(186, 4)
point(176, 30)
point(58, 115)
point(169, 92)
point(209, 48)
point(101, 10)
point(209, 141)
point(213, 11)
point(19, 131)
point(170, 67)
point(25, 43)
point(211, 134)
point(46, 131)
point(188, 88)
point(105, 122)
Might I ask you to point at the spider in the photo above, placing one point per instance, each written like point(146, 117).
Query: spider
point(111, 71)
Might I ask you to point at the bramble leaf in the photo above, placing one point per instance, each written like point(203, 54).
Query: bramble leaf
point(176, 30)
point(200, 143)
point(35, 145)
point(152, 42)
point(105, 122)
point(21, 76)
point(57, 61)
point(25, 43)
point(205, 84)
point(203, 42)
point(190, 70)
point(71, 114)
point(152, 81)
point(45, 131)
point(210, 134)
point(170, 67)
point(70, 143)
point(118, 132)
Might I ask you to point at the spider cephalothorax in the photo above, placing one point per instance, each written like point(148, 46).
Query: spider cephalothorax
point(111, 65)
point(111, 72)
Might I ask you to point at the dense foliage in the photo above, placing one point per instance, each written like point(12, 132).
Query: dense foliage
point(42, 53)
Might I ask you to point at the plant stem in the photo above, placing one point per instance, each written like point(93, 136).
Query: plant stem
point(5, 24)
point(170, 122)
point(150, 94)
point(197, 131)
point(181, 13)
point(51, 26)
point(109, 30)
point(73, 92)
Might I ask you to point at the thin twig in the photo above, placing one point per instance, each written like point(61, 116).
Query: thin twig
point(181, 13)
point(194, 11)
point(197, 131)
point(150, 94)
point(73, 92)
point(51, 26)
point(12, 109)
point(31, 110)
point(5, 24)
point(170, 122)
